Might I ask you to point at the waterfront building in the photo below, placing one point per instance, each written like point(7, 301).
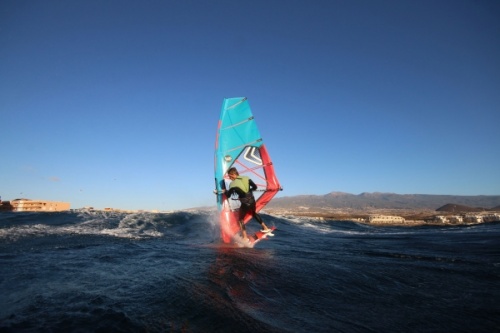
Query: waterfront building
point(491, 217)
point(28, 205)
point(385, 219)
point(473, 218)
point(455, 219)
point(437, 219)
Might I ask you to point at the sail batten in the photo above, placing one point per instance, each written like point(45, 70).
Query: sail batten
point(238, 124)
point(243, 146)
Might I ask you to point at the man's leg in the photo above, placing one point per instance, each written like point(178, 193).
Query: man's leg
point(263, 225)
point(243, 212)
point(259, 219)
point(243, 229)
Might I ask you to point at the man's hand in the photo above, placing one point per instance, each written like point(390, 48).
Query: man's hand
point(221, 192)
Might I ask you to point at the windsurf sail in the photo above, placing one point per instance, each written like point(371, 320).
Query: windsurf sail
point(239, 143)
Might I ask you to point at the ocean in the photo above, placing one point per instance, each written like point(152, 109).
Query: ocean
point(169, 272)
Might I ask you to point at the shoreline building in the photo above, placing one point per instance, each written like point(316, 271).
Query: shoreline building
point(382, 219)
point(28, 205)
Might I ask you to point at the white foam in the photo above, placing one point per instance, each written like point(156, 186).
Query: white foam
point(130, 226)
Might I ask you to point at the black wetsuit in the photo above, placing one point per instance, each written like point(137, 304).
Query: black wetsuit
point(247, 202)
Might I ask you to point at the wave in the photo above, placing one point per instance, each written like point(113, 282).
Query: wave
point(191, 226)
point(176, 225)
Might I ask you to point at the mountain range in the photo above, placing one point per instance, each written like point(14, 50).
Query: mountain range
point(376, 200)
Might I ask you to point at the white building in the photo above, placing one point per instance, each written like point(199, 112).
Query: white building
point(28, 205)
point(491, 217)
point(385, 219)
point(455, 219)
point(473, 218)
point(438, 219)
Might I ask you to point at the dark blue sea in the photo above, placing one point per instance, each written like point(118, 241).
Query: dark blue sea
point(168, 272)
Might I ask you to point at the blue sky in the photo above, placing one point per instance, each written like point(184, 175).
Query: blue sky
point(116, 103)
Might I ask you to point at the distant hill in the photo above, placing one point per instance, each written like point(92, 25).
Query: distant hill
point(368, 201)
point(451, 208)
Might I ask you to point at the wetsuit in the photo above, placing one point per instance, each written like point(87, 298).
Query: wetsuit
point(243, 186)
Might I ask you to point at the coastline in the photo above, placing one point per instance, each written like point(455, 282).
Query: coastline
point(392, 217)
point(373, 217)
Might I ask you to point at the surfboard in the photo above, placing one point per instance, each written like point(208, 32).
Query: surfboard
point(252, 239)
point(238, 143)
point(259, 235)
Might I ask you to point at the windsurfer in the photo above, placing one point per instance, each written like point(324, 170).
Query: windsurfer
point(243, 186)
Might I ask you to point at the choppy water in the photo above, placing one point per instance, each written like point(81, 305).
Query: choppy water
point(111, 272)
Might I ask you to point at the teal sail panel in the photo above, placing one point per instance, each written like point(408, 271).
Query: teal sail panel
point(236, 130)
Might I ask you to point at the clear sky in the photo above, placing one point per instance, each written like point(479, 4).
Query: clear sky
point(116, 103)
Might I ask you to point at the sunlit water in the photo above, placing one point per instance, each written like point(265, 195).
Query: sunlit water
point(112, 272)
